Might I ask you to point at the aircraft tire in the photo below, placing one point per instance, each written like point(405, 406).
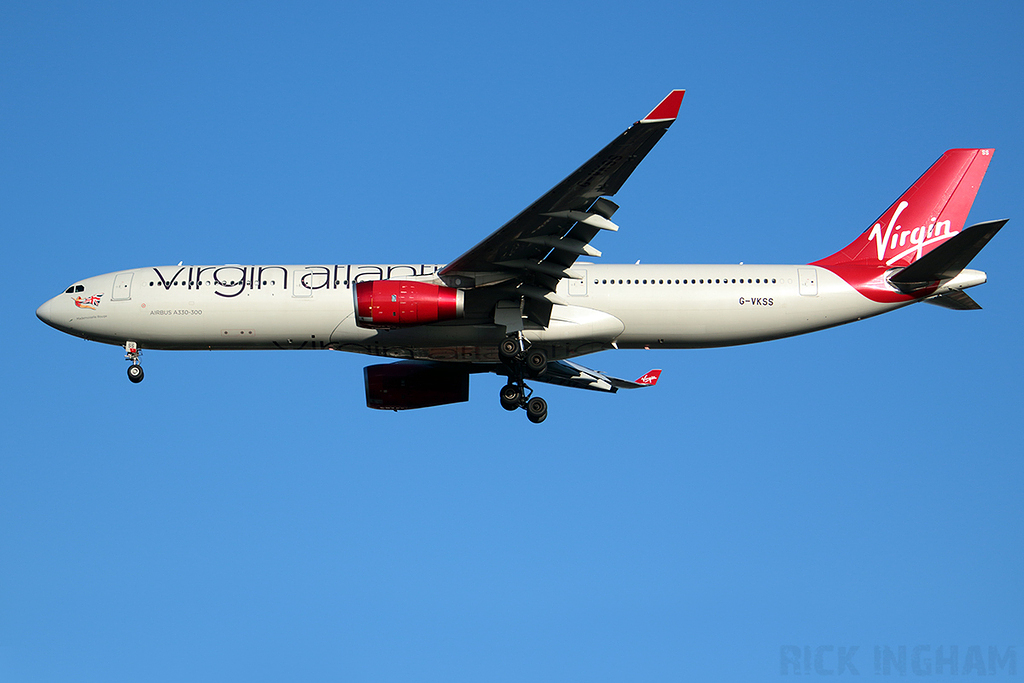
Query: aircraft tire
point(510, 396)
point(537, 410)
point(135, 373)
point(508, 349)
point(536, 362)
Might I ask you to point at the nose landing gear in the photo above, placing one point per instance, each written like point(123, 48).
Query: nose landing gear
point(521, 360)
point(132, 353)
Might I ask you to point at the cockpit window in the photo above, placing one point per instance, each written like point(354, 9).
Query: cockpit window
point(74, 288)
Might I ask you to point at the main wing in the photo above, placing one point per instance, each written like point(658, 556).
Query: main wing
point(536, 249)
point(568, 374)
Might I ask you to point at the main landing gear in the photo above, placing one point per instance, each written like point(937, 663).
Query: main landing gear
point(132, 353)
point(521, 360)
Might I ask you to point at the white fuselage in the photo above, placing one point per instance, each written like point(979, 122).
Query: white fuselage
point(312, 307)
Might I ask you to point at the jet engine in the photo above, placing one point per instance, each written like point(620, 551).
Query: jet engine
point(397, 303)
point(406, 385)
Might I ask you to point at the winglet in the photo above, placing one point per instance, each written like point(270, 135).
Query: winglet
point(667, 109)
point(650, 378)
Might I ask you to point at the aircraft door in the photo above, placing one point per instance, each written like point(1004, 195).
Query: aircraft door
point(578, 287)
point(301, 285)
point(122, 287)
point(308, 279)
point(808, 281)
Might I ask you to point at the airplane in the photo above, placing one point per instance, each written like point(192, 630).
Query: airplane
point(521, 303)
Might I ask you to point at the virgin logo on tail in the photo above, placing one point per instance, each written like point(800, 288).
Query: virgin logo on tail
point(650, 378)
point(896, 237)
point(934, 208)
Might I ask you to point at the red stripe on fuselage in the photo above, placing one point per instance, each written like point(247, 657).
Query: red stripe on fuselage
point(871, 282)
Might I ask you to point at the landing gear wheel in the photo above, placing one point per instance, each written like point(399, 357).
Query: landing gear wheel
point(508, 349)
point(537, 409)
point(536, 362)
point(132, 353)
point(135, 373)
point(510, 396)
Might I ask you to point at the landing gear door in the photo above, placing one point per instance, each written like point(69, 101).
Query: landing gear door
point(122, 287)
point(578, 287)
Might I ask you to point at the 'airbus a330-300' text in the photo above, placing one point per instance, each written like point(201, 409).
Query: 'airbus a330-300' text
point(521, 304)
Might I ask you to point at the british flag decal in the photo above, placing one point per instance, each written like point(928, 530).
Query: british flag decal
point(88, 302)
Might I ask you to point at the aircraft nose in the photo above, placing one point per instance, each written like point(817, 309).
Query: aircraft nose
point(43, 313)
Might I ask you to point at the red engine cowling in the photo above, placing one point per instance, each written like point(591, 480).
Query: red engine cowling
point(397, 303)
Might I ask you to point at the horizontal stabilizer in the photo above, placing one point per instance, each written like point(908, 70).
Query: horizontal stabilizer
point(947, 260)
point(958, 301)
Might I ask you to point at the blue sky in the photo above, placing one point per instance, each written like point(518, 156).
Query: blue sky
point(243, 516)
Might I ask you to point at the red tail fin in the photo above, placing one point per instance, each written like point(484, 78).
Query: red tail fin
point(933, 210)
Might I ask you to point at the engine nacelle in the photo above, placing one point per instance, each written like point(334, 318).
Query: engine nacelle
point(398, 303)
point(406, 385)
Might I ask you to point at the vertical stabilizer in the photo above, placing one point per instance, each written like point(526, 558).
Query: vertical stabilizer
point(932, 211)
